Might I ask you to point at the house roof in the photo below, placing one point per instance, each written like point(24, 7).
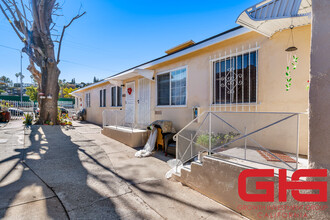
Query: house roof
point(236, 31)
point(90, 86)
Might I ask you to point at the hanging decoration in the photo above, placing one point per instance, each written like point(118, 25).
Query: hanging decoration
point(292, 60)
point(307, 86)
point(129, 90)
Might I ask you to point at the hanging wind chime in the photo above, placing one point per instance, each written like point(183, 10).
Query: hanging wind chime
point(292, 60)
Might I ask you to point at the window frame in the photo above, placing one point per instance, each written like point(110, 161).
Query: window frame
point(101, 97)
point(241, 53)
point(170, 88)
point(117, 89)
point(104, 97)
point(88, 100)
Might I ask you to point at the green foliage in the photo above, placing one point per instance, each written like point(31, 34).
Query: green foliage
point(216, 139)
point(5, 79)
point(67, 91)
point(32, 92)
point(95, 80)
point(2, 91)
point(27, 120)
point(4, 105)
point(288, 72)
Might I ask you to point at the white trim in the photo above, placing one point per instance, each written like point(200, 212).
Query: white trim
point(134, 102)
point(149, 100)
point(235, 54)
point(197, 47)
point(194, 48)
point(224, 58)
point(88, 99)
point(169, 71)
point(89, 86)
point(117, 88)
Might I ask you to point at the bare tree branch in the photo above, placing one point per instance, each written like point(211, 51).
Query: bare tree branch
point(11, 23)
point(65, 27)
point(26, 20)
point(36, 74)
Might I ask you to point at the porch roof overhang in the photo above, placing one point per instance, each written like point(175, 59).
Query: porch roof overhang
point(77, 95)
point(118, 79)
point(271, 16)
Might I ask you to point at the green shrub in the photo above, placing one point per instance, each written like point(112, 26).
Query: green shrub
point(28, 118)
point(216, 139)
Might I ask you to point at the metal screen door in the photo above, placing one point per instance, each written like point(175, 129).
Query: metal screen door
point(144, 102)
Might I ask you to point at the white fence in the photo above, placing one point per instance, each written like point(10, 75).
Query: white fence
point(17, 109)
point(121, 119)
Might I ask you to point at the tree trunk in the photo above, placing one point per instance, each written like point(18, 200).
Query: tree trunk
point(49, 86)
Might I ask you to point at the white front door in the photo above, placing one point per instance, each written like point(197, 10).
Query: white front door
point(144, 102)
point(130, 103)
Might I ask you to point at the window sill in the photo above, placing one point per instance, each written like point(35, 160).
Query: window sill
point(171, 106)
point(239, 104)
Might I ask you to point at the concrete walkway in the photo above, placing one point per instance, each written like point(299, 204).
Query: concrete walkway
point(78, 173)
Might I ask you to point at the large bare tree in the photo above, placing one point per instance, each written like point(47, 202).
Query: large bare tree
point(32, 21)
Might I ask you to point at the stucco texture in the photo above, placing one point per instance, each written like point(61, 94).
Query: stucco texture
point(271, 93)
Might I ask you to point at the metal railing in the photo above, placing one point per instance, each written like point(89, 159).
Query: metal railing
point(120, 119)
point(268, 138)
point(17, 109)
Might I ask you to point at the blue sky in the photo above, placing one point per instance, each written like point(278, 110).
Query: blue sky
point(116, 35)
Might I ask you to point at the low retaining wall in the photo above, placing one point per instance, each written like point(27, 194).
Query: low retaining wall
point(219, 181)
point(132, 139)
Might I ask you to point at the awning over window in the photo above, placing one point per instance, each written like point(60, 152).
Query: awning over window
point(118, 79)
point(271, 16)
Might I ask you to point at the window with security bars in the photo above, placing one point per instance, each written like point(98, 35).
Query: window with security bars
point(235, 79)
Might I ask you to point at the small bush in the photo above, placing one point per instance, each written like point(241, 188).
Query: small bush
point(28, 118)
point(216, 139)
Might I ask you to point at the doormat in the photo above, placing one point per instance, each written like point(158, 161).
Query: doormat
point(270, 157)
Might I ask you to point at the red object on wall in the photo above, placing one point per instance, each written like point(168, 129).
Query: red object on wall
point(129, 90)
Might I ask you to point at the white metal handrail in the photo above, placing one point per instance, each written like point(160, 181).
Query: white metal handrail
point(118, 119)
point(183, 149)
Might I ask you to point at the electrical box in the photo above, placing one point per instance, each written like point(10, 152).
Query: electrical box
point(196, 113)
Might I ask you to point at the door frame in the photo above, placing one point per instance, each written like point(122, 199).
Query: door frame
point(134, 105)
point(148, 99)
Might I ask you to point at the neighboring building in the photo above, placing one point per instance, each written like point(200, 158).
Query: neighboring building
point(24, 85)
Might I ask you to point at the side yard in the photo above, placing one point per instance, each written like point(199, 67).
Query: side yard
point(79, 173)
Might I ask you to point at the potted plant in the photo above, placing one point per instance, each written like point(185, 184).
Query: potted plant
point(27, 120)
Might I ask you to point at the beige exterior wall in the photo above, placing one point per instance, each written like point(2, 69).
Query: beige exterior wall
point(94, 112)
point(272, 97)
point(272, 61)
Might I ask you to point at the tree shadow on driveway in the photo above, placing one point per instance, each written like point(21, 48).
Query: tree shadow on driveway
point(56, 172)
point(72, 177)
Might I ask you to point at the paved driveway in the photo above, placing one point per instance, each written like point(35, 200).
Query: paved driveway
point(50, 172)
